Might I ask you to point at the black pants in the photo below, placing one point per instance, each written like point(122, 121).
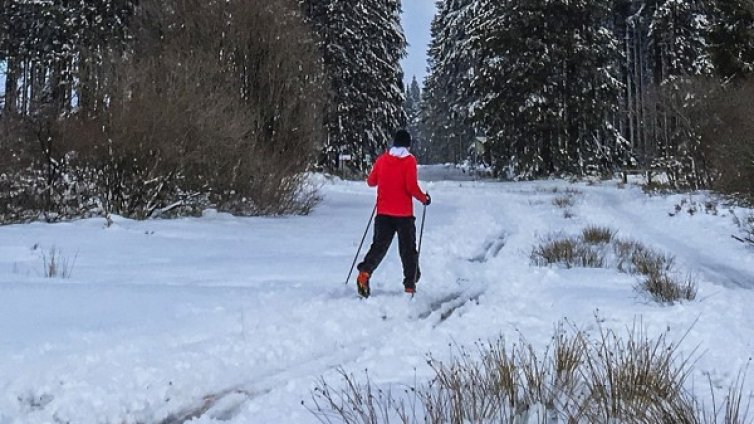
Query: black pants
point(385, 228)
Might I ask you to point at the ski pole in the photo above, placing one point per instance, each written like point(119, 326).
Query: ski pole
point(356, 258)
point(419, 250)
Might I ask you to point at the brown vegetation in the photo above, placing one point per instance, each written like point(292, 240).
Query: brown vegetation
point(598, 247)
point(631, 378)
point(210, 105)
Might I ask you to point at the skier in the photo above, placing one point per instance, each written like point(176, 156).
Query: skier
point(394, 175)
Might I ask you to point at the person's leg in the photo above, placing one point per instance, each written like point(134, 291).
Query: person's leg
point(407, 246)
point(384, 230)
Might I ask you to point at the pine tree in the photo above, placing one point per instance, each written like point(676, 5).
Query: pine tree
point(52, 47)
point(678, 46)
point(363, 44)
point(678, 34)
point(447, 97)
point(732, 38)
point(547, 85)
point(413, 115)
point(413, 99)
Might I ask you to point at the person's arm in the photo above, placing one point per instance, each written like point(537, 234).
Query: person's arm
point(412, 182)
point(374, 176)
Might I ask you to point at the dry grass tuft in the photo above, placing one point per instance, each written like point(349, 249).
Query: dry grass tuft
point(56, 265)
point(664, 288)
point(597, 235)
point(564, 202)
point(355, 402)
point(568, 251)
point(591, 250)
point(634, 378)
point(646, 261)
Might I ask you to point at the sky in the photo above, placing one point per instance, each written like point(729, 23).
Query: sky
point(417, 17)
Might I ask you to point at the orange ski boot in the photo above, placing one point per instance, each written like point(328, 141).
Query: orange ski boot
point(362, 284)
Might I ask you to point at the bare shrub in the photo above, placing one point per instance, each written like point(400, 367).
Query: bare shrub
point(554, 251)
point(357, 403)
point(244, 129)
point(733, 410)
point(569, 356)
point(726, 131)
point(594, 234)
point(692, 207)
point(213, 104)
point(56, 265)
point(660, 188)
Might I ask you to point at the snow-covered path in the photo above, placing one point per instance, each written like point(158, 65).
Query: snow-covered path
point(226, 319)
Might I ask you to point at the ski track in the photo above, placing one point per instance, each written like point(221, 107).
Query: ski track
point(701, 262)
point(251, 354)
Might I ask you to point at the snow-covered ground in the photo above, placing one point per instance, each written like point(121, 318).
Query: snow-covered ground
point(227, 319)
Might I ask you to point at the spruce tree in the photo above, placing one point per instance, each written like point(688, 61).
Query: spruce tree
point(547, 84)
point(447, 96)
point(678, 44)
point(413, 115)
point(678, 33)
point(53, 50)
point(362, 43)
point(732, 38)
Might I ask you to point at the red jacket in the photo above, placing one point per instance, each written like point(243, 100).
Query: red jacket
point(396, 181)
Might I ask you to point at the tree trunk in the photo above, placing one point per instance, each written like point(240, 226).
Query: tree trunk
point(11, 86)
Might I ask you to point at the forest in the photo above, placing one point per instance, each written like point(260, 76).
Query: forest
point(161, 108)
point(164, 108)
point(593, 87)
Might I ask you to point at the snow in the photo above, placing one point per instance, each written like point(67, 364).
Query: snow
point(226, 319)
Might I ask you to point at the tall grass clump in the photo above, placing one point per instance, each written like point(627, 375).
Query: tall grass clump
point(666, 289)
point(595, 234)
point(609, 377)
point(57, 265)
point(746, 225)
point(567, 251)
point(564, 202)
point(660, 281)
point(598, 247)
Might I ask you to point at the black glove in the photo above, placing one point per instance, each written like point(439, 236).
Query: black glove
point(429, 199)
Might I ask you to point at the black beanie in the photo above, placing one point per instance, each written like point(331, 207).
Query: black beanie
point(402, 139)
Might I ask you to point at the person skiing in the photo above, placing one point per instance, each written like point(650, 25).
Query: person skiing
point(394, 175)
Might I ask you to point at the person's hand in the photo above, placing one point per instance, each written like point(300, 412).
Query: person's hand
point(429, 199)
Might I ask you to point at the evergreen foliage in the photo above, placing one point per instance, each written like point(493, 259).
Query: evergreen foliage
point(547, 107)
point(412, 107)
point(362, 42)
point(581, 87)
point(447, 93)
point(52, 48)
point(732, 38)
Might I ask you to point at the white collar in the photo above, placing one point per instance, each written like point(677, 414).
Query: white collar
point(400, 152)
